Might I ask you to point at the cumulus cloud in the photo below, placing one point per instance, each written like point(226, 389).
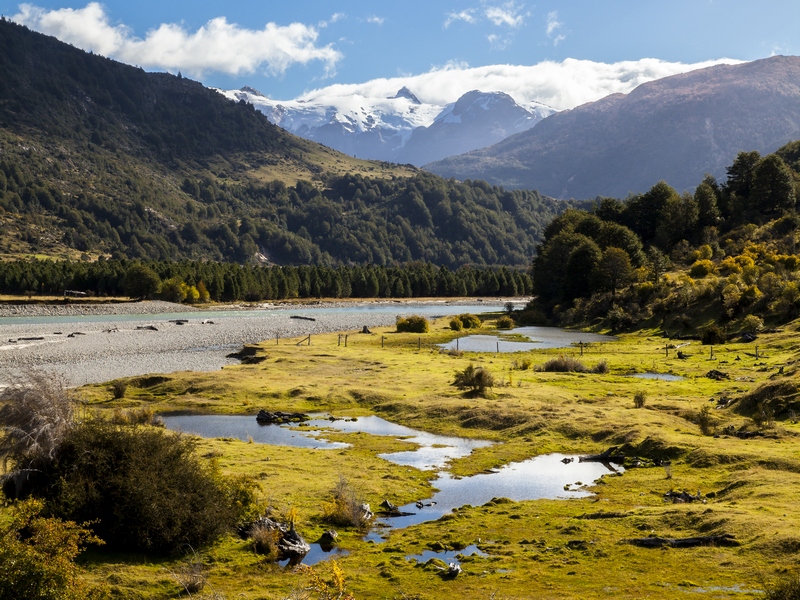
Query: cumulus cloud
point(217, 46)
point(561, 85)
point(375, 20)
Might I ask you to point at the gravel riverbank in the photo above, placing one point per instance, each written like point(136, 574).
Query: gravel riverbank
point(88, 345)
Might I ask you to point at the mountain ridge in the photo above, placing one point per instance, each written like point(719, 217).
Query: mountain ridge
point(673, 129)
point(399, 128)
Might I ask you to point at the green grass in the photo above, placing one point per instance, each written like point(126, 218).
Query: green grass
point(542, 549)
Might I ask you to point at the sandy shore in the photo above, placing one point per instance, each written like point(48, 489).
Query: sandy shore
point(87, 345)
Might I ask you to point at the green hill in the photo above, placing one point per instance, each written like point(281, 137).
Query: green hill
point(100, 158)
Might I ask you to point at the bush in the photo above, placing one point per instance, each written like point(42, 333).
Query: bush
point(119, 388)
point(470, 321)
point(37, 557)
point(563, 364)
point(521, 365)
point(601, 368)
point(786, 588)
point(475, 379)
point(456, 324)
point(347, 509)
point(505, 322)
point(713, 335)
point(143, 488)
point(35, 417)
point(639, 398)
point(752, 324)
point(701, 268)
point(705, 420)
point(412, 324)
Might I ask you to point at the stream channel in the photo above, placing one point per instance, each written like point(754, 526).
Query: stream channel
point(549, 476)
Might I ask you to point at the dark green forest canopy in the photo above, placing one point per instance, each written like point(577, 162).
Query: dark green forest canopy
point(102, 158)
point(602, 247)
point(230, 281)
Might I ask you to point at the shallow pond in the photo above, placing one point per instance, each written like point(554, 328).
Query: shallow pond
point(541, 477)
point(447, 556)
point(658, 376)
point(540, 338)
point(550, 476)
point(433, 450)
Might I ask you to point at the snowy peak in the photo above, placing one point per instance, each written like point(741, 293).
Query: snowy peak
point(394, 129)
point(406, 93)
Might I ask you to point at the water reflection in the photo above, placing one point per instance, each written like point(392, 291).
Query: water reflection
point(540, 338)
point(541, 477)
point(657, 376)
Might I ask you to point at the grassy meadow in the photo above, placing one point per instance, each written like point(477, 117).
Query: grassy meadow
point(537, 549)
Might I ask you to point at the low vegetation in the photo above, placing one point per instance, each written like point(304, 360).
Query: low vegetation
point(412, 324)
point(477, 380)
point(746, 472)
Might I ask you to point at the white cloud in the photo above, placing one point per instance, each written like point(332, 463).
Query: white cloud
point(334, 18)
point(561, 85)
point(217, 46)
point(553, 27)
point(468, 16)
point(375, 20)
point(507, 14)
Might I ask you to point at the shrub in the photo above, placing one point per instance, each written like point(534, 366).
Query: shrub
point(265, 540)
point(347, 509)
point(713, 335)
point(521, 365)
point(475, 379)
point(705, 420)
point(412, 324)
point(456, 324)
point(35, 416)
point(563, 364)
point(470, 321)
point(786, 588)
point(601, 368)
point(701, 268)
point(752, 324)
point(639, 398)
point(505, 322)
point(37, 557)
point(119, 388)
point(143, 488)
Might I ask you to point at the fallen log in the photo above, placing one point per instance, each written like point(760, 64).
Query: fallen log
point(606, 456)
point(725, 539)
point(302, 317)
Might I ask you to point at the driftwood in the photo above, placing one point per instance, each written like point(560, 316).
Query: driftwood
point(725, 539)
point(683, 497)
point(290, 544)
point(278, 417)
point(606, 456)
point(302, 318)
point(146, 328)
point(717, 375)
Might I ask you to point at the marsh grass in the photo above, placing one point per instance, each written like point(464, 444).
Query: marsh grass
point(347, 507)
point(748, 483)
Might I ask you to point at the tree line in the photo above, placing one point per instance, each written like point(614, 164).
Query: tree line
point(738, 237)
point(227, 282)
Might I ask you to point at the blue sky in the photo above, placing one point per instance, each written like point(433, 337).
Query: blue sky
point(572, 51)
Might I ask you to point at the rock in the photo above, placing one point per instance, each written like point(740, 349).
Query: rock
point(278, 417)
point(328, 538)
point(717, 375)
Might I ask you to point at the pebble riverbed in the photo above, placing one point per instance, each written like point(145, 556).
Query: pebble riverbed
point(107, 345)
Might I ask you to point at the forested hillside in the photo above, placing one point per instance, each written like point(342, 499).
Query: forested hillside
point(725, 256)
point(99, 158)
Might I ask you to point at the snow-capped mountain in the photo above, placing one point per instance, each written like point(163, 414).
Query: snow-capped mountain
point(399, 128)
